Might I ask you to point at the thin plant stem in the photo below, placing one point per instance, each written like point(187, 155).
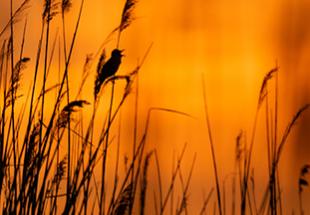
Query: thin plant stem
point(135, 128)
point(102, 200)
point(159, 179)
point(212, 149)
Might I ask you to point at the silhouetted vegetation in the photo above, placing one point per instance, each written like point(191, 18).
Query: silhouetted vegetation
point(38, 175)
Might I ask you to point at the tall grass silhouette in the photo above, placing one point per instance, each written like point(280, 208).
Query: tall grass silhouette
point(38, 175)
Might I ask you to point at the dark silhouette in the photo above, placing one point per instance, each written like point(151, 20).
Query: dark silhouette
point(108, 69)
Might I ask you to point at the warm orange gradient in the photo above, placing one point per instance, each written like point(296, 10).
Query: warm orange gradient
point(232, 44)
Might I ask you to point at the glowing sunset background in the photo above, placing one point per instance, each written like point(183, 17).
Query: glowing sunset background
point(229, 44)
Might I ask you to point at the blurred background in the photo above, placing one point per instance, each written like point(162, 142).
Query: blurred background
point(232, 44)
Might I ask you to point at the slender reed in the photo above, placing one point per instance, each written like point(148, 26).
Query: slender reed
point(212, 149)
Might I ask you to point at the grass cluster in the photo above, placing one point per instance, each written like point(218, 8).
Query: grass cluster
point(36, 178)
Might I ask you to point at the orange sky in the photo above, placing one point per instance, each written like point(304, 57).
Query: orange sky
point(232, 43)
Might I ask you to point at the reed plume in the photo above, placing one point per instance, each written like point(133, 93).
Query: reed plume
point(60, 172)
point(144, 183)
point(16, 78)
point(98, 80)
point(50, 10)
point(126, 18)
point(66, 112)
point(33, 140)
point(127, 14)
point(65, 5)
point(124, 201)
point(263, 89)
